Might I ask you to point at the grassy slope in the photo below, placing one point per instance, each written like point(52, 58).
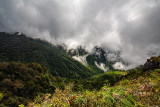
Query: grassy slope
point(23, 49)
point(137, 88)
point(98, 81)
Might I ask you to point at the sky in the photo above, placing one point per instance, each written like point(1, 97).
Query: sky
point(129, 26)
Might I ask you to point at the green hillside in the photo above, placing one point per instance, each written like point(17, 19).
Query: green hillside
point(21, 83)
point(138, 87)
point(35, 73)
point(20, 48)
point(32, 85)
point(108, 78)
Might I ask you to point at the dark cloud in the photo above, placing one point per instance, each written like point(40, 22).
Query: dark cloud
point(131, 26)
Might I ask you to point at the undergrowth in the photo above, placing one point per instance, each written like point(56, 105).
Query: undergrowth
point(134, 92)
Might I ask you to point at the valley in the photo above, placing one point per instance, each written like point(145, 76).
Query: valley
point(36, 73)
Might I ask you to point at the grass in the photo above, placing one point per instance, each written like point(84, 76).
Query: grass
point(134, 92)
point(107, 96)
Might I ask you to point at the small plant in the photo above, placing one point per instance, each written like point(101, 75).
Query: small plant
point(1, 96)
point(21, 105)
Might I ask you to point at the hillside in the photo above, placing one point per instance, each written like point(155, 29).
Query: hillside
point(21, 83)
point(35, 73)
point(99, 60)
point(32, 85)
point(137, 88)
point(19, 48)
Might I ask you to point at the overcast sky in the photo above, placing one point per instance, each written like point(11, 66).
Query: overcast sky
point(131, 26)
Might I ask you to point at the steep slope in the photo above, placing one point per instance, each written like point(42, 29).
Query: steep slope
point(18, 47)
point(84, 57)
point(99, 60)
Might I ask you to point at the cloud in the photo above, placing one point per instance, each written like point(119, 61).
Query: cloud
point(129, 26)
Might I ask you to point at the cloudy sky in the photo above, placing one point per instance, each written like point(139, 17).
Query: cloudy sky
point(131, 26)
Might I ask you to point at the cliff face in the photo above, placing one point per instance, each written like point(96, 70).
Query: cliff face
point(152, 63)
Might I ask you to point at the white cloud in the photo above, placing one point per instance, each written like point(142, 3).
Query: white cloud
point(130, 26)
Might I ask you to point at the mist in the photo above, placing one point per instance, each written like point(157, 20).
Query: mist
point(129, 26)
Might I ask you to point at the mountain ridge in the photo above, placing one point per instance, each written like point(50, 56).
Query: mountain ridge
point(98, 58)
point(20, 48)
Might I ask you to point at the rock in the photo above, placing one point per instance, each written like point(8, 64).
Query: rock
point(151, 64)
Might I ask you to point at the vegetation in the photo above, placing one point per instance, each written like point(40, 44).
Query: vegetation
point(141, 89)
point(20, 83)
point(98, 55)
point(91, 64)
point(27, 83)
point(140, 92)
point(92, 58)
point(119, 88)
point(20, 48)
point(98, 81)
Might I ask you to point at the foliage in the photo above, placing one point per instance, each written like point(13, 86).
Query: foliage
point(98, 81)
point(107, 96)
point(33, 85)
point(91, 62)
point(20, 83)
point(143, 89)
point(20, 48)
point(21, 105)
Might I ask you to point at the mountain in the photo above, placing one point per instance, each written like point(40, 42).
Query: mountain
point(25, 82)
point(98, 60)
point(20, 48)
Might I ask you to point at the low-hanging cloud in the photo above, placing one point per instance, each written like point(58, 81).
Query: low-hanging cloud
point(129, 26)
